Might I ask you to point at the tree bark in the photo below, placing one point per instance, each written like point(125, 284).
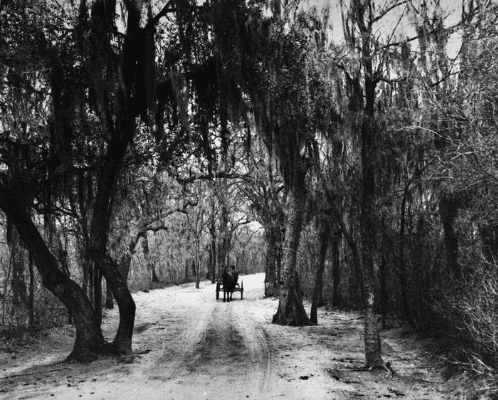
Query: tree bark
point(212, 252)
point(197, 263)
point(383, 292)
point(373, 358)
point(290, 308)
point(401, 262)
point(360, 38)
point(317, 300)
point(355, 253)
point(18, 281)
point(97, 294)
point(89, 339)
point(222, 248)
point(273, 242)
point(31, 294)
point(109, 299)
point(98, 240)
point(147, 258)
point(336, 271)
point(123, 340)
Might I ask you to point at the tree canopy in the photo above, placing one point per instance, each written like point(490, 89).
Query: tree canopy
point(145, 142)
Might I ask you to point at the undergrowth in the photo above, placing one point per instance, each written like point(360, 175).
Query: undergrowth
point(468, 323)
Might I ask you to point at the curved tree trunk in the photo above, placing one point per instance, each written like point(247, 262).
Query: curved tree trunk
point(290, 308)
point(109, 299)
point(98, 241)
point(123, 340)
point(89, 339)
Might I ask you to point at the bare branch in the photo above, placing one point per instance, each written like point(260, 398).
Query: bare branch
point(165, 10)
point(211, 177)
point(388, 9)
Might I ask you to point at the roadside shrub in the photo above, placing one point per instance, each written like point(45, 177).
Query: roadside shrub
point(49, 312)
point(468, 310)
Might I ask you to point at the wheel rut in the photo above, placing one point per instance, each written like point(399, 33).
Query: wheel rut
point(222, 346)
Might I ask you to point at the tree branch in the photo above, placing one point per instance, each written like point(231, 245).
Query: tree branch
point(384, 12)
point(165, 10)
point(219, 175)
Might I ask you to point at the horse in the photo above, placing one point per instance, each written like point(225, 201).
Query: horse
point(229, 282)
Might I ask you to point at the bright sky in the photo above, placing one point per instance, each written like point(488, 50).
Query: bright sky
point(404, 27)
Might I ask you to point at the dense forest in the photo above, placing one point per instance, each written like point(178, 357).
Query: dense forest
point(153, 142)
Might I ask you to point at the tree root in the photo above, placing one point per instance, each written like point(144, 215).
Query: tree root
point(82, 356)
point(113, 349)
point(384, 366)
point(88, 355)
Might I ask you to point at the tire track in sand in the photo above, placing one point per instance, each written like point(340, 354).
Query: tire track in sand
point(223, 348)
point(180, 350)
point(259, 354)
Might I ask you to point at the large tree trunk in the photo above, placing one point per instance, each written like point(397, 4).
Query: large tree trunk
point(89, 339)
point(109, 299)
point(31, 294)
point(97, 294)
point(18, 285)
point(363, 102)
point(123, 340)
point(336, 271)
point(383, 292)
point(317, 300)
point(212, 252)
point(222, 248)
point(148, 263)
point(355, 253)
point(273, 242)
point(125, 264)
point(83, 260)
point(373, 358)
point(98, 242)
point(290, 308)
point(401, 262)
point(197, 264)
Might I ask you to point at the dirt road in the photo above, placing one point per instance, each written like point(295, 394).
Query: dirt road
point(190, 346)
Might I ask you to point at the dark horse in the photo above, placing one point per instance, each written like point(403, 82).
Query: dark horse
point(229, 282)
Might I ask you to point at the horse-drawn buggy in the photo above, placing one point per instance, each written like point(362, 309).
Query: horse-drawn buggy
point(228, 284)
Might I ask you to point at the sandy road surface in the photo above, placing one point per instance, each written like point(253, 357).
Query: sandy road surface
point(215, 350)
point(190, 346)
